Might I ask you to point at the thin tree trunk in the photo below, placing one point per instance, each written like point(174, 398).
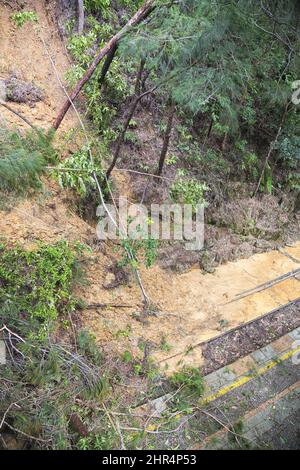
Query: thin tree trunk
point(80, 16)
point(143, 81)
point(129, 116)
point(224, 141)
point(137, 90)
point(140, 15)
point(109, 58)
point(210, 128)
point(166, 141)
point(271, 148)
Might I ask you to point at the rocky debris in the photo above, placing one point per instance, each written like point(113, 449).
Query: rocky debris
point(109, 281)
point(21, 91)
point(116, 276)
point(176, 257)
point(261, 218)
point(66, 11)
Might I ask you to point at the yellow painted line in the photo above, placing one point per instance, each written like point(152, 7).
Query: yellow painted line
point(248, 415)
point(247, 378)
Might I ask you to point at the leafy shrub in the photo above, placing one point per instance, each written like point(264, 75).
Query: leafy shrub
point(75, 172)
point(101, 106)
point(145, 249)
point(131, 138)
point(96, 5)
point(289, 151)
point(88, 347)
point(250, 164)
point(44, 373)
point(23, 17)
point(293, 181)
point(248, 112)
point(247, 159)
point(190, 379)
point(98, 441)
point(36, 285)
point(189, 191)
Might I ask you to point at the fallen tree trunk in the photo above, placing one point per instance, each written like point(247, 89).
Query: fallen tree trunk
point(140, 15)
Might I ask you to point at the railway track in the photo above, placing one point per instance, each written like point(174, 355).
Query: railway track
point(247, 338)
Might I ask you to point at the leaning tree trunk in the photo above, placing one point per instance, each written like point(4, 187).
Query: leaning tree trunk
point(166, 141)
point(271, 147)
point(129, 116)
point(209, 129)
point(140, 15)
point(109, 58)
point(137, 90)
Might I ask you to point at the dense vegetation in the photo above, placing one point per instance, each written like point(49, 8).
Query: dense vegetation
point(57, 383)
point(213, 81)
point(226, 68)
point(221, 73)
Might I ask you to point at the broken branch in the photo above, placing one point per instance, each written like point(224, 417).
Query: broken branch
point(140, 15)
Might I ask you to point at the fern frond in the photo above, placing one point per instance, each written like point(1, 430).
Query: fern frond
point(20, 170)
point(23, 158)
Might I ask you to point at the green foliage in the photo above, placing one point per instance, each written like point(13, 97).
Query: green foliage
point(76, 171)
point(49, 380)
point(164, 345)
point(210, 58)
point(293, 181)
point(267, 183)
point(289, 151)
point(98, 441)
point(190, 380)
point(36, 286)
point(189, 191)
point(127, 357)
point(19, 172)
point(101, 104)
point(95, 6)
point(249, 160)
point(131, 138)
point(23, 158)
point(130, 5)
point(88, 347)
point(248, 112)
point(215, 163)
point(44, 373)
point(23, 17)
point(190, 48)
point(139, 249)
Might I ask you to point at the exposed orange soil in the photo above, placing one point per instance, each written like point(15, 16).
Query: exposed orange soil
point(194, 306)
point(22, 51)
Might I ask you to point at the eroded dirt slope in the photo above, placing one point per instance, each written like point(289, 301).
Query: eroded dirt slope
point(22, 52)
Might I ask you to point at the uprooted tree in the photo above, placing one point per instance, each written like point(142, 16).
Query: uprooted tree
point(140, 15)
